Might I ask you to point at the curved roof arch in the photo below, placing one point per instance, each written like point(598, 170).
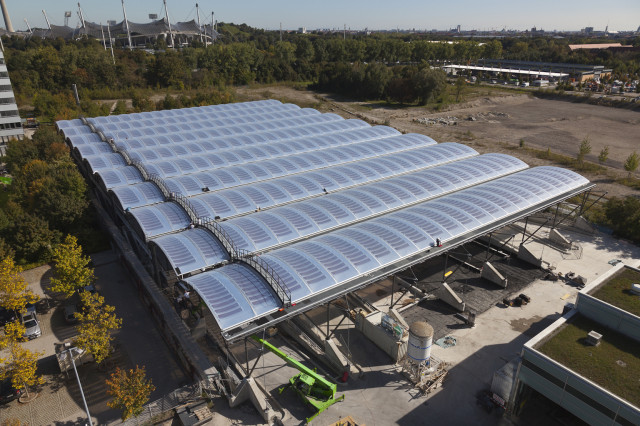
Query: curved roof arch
point(159, 219)
point(191, 250)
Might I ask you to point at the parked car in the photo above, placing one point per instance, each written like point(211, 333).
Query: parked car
point(70, 310)
point(32, 326)
point(8, 392)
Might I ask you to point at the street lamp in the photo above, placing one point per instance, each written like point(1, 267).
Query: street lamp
point(70, 354)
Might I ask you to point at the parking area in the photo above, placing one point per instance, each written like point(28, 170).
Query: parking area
point(137, 343)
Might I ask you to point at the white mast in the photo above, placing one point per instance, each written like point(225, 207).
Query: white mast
point(166, 14)
point(28, 27)
point(113, 59)
point(46, 19)
point(199, 27)
point(126, 23)
point(81, 16)
point(104, 43)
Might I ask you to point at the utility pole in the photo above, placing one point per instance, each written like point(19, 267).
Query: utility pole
point(212, 29)
point(166, 13)
point(280, 31)
point(344, 32)
point(126, 23)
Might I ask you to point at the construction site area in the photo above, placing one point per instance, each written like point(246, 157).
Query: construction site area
point(304, 267)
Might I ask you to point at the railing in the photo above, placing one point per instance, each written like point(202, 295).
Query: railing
point(186, 205)
point(170, 401)
point(160, 183)
point(219, 232)
point(125, 154)
point(138, 165)
point(268, 273)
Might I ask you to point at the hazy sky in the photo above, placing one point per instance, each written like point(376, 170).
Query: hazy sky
point(356, 14)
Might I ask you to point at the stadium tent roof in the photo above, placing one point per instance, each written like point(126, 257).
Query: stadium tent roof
point(340, 257)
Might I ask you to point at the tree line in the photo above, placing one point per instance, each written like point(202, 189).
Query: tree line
point(42, 71)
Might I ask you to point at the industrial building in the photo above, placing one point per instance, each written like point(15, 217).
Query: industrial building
point(10, 123)
point(535, 70)
point(587, 361)
point(235, 218)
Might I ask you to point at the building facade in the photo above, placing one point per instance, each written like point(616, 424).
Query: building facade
point(10, 123)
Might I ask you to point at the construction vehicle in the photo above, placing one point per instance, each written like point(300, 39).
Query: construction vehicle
point(316, 391)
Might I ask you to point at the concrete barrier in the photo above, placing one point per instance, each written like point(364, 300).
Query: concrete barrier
point(448, 296)
point(490, 273)
point(526, 255)
point(556, 237)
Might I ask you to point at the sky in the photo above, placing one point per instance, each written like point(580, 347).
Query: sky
point(549, 15)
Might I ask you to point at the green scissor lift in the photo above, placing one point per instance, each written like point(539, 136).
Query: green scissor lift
point(315, 390)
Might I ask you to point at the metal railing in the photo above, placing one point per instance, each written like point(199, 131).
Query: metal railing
point(160, 183)
point(183, 202)
point(138, 165)
point(219, 232)
point(125, 154)
point(268, 273)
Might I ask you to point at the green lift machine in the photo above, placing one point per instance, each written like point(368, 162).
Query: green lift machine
point(316, 391)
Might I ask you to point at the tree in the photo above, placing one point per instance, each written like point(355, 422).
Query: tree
point(71, 270)
point(19, 363)
point(585, 148)
point(631, 163)
point(460, 83)
point(14, 293)
point(130, 391)
point(96, 321)
point(604, 155)
point(428, 84)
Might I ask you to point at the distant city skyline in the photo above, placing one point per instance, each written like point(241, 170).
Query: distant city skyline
point(487, 15)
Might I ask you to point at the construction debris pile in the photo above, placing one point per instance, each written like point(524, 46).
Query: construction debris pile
point(453, 120)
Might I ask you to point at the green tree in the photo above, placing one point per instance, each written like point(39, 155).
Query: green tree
point(130, 391)
point(604, 155)
point(460, 83)
point(623, 215)
point(428, 83)
point(585, 148)
point(631, 163)
point(96, 322)
point(14, 294)
point(71, 269)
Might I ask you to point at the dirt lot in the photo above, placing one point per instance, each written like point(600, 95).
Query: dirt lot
point(496, 123)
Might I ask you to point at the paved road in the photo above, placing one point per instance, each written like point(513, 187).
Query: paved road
point(137, 343)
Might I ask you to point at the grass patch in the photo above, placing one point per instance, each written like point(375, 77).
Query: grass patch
point(617, 291)
point(614, 364)
point(560, 159)
point(631, 182)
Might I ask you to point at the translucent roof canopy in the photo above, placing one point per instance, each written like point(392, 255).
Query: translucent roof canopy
point(197, 183)
point(191, 250)
point(245, 199)
point(160, 219)
point(317, 264)
point(282, 225)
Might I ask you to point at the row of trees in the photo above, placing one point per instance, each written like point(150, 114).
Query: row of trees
point(96, 323)
point(43, 71)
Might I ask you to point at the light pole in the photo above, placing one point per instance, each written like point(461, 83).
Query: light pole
point(86, 408)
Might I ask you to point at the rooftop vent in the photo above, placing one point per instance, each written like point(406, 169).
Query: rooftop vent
point(593, 338)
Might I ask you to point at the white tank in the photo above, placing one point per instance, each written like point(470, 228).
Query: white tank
point(420, 339)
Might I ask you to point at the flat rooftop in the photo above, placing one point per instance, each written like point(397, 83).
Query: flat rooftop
point(614, 364)
point(617, 290)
